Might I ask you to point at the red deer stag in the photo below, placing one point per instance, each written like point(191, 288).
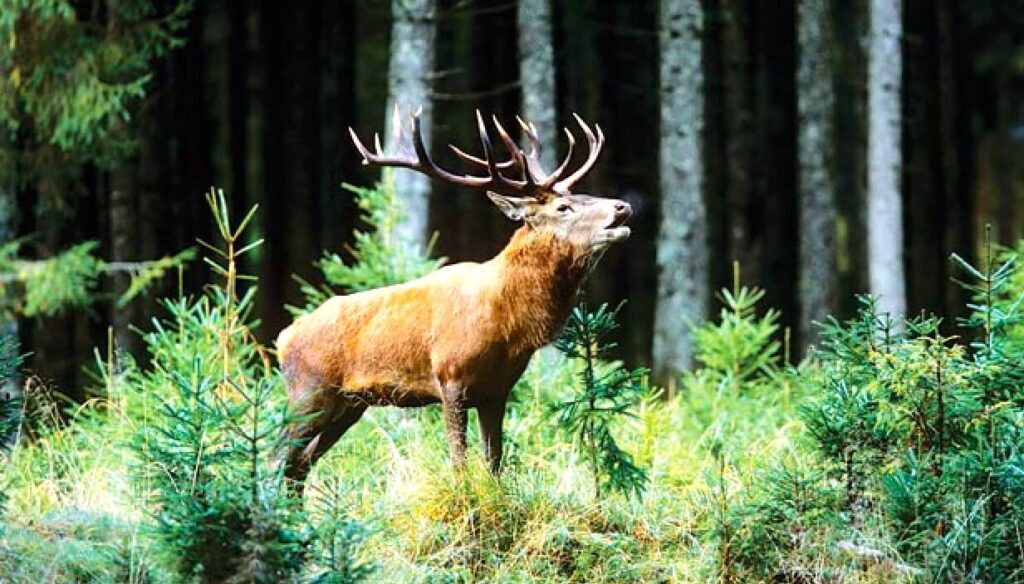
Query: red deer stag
point(461, 335)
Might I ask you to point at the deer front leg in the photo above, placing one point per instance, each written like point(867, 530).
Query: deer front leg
point(491, 417)
point(453, 402)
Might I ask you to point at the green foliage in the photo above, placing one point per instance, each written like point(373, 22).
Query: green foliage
point(606, 394)
point(10, 406)
point(69, 77)
point(1008, 296)
point(741, 348)
point(221, 507)
point(379, 256)
point(180, 457)
point(70, 279)
point(145, 274)
point(65, 281)
point(335, 547)
point(923, 433)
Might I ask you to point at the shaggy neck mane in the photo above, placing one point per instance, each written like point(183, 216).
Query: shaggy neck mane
point(540, 277)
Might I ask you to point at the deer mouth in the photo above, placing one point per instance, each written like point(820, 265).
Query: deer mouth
point(616, 231)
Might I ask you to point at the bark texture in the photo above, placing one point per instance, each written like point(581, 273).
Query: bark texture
point(682, 256)
point(885, 207)
point(122, 222)
point(815, 105)
point(537, 73)
point(410, 85)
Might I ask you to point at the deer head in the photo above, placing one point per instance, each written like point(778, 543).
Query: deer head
point(519, 186)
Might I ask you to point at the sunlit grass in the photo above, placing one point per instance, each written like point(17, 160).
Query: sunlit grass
point(72, 505)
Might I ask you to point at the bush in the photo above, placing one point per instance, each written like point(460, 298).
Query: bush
point(919, 437)
point(605, 395)
point(10, 407)
point(199, 429)
point(208, 453)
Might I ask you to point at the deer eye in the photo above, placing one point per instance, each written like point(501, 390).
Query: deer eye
point(564, 208)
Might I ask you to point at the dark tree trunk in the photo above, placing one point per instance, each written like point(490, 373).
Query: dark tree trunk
point(337, 106)
point(276, 190)
point(122, 225)
point(739, 132)
point(629, 86)
point(775, 185)
point(301, 145)
point(850, 152)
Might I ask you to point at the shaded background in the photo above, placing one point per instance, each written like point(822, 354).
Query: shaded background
point(258, 99)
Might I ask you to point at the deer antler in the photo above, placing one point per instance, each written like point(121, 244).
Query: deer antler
point(594, 144)
point(535, 181)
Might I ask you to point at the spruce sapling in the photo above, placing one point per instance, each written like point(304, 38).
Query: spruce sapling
point(605, 395)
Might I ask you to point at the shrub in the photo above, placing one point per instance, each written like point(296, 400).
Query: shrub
point(921, 434)
point(605, 395)
point(10, 408)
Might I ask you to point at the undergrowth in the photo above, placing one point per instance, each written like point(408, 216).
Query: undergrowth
point(892, 454)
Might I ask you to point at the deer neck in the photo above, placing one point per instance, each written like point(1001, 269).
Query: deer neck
point(539, 276)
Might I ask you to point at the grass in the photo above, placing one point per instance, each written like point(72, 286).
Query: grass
point(73, 514)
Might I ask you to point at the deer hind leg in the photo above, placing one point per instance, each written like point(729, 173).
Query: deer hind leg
point(311, 439)
point(491, 417)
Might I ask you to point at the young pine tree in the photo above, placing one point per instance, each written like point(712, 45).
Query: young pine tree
point(605, 395)
point(208, 449)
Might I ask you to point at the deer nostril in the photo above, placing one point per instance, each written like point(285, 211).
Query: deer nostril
point(623, 208)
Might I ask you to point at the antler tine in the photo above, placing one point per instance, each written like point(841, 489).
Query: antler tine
point(514, 150)
point(485, 142)
point(411, 152)
point(359, 146)
point(550, 181)
point(594, 144)
point(533, 163)
point(427, 165)
point(413, 156)
point(467, 157)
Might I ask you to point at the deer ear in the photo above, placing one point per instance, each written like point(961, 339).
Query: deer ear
point(513, 207)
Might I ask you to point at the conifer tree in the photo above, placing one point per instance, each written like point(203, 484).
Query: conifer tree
point(604, 397)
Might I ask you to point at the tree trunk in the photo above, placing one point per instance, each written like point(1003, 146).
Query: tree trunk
point(301, 141)
point(815, 102)
point(739, 132)
point(885, 209)
point(337, 107)
point(122, 224)
point(774, 172)
point(272, 115)
point(410, 81)
point(682, 248)
point(537, 74)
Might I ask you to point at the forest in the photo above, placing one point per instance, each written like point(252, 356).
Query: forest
point(795, 353)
